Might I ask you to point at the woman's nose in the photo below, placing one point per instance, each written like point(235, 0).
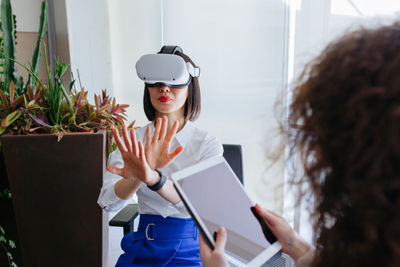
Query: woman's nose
point(164, 88)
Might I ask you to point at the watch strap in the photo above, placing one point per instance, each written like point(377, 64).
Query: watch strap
point(160, 183)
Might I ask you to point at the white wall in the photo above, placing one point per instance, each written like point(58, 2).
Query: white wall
point(89, 44)
point(28, 14)
point(134, 31)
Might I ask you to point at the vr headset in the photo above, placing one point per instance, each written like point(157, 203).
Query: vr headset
point(166, 68)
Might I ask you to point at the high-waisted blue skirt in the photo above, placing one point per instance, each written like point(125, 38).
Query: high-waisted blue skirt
point(161, 242)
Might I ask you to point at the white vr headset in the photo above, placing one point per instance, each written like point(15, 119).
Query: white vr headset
point(166, 68)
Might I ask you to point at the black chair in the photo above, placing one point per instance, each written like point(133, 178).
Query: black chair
point(126, 217)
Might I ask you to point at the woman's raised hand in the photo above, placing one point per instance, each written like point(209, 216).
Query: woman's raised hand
point(135, 164)
point(157, 148)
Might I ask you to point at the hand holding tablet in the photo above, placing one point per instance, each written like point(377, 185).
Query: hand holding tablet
point(214, 196)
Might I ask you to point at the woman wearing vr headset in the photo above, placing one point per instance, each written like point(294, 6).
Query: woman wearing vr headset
point(142, 163)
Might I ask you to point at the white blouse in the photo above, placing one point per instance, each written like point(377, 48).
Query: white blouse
point(198, 145)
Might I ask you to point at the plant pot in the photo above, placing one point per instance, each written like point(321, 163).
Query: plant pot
point(54, 187)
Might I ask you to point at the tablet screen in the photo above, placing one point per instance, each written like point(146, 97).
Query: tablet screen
point(219, 199)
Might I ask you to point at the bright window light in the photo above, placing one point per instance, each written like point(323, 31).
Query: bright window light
point(366, 8)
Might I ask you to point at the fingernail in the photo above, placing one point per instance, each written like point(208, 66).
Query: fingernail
point(260, 209)
point(222, 230)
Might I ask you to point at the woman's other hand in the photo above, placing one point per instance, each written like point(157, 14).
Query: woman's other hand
point(157, 148)
point(291, 242)
point(216, 257)
point(133, 155)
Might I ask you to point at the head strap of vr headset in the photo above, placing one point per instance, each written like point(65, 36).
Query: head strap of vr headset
point(170, 49)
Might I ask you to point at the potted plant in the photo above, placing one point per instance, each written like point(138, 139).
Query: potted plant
point(9, 252)
point(54, 144)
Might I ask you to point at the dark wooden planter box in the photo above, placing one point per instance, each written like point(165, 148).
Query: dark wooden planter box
point(55, 186)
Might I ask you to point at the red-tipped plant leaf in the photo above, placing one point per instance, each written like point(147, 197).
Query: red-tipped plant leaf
point(13, 116)
point(30, 93)
point(60, 135)
point(4, 100)
point(12, 92)
point(17, 102)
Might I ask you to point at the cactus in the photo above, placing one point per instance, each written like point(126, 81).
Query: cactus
point(37, 53)
point(7, 26)
point(8, 71)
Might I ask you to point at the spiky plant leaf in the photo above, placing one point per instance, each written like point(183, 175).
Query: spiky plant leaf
point(37, 52)
point(13, 116)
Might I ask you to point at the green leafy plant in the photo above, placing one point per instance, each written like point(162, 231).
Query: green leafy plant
point(48, 108)
point(6, 245)
point(51, 109)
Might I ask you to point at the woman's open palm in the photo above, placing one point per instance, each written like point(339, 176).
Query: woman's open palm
point(157, 148)
point(135, 164)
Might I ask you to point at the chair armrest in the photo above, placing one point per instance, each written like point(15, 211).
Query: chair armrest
point(125, 218)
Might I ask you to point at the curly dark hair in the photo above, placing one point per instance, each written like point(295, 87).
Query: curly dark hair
point(345, 125)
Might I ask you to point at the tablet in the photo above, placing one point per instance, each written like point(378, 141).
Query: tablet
point(214, 197)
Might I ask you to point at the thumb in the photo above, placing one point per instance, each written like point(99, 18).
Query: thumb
point(204, 248)
point(221, 240)
point(114, 170)
point(176, 152)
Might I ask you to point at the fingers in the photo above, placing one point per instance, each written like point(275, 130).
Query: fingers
point(115, 170)
point(121, 146)
point(266, 216)
point(204, 248)
point(172, 132)
point(175, 153)
point(157, 129)
point(164, 126)
point(141, 151)
point(221, 240)
point(148, 135)
point(270, 218)
point(135, 148)
point(127, 141)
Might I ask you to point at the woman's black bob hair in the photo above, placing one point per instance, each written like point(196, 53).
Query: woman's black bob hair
point(193, 102)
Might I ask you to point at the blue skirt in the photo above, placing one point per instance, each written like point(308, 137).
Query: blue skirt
point(161, 242)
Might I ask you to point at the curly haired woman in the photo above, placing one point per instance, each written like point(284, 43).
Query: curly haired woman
point(345, 125)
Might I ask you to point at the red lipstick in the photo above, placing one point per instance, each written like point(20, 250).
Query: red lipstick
point(164, 99)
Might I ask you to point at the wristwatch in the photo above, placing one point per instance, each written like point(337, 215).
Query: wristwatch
point(160, 184)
